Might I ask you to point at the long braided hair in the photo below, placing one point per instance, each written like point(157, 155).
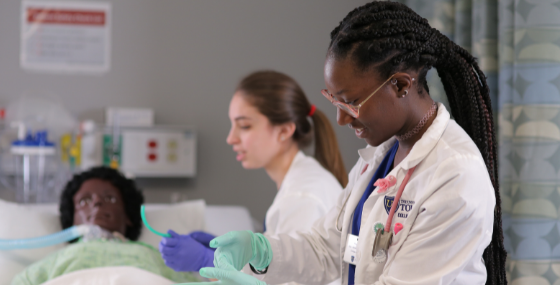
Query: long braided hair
point(393, 38)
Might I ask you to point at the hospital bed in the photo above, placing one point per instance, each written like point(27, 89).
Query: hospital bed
point(31, 220)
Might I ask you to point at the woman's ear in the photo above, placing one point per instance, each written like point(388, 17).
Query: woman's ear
point(286, 131)
point(403, 83)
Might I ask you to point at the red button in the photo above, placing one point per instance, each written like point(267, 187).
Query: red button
point(152, 144)
point(152, 157)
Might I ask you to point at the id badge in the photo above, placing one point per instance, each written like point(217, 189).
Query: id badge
point(381, 245)
point(351, 249)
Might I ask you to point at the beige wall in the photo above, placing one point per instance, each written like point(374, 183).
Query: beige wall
point(183, 58)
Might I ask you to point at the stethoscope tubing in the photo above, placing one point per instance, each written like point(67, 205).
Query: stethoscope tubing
point(340, 213)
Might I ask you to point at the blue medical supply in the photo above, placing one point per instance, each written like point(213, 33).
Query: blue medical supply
point(39, 140)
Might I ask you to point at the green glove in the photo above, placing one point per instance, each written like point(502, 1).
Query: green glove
point(239, 248)
point(226, 277)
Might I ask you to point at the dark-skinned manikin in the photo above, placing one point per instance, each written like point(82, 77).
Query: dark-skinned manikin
point(100, 203)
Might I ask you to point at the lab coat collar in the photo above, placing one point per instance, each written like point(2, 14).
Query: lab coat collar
point(299, 157)
point(420, 149)
point(429, 139)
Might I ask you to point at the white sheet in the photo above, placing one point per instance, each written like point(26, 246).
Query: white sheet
point(116, 275)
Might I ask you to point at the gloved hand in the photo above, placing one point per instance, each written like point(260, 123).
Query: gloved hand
point(226, 277)
point(203, 238)
point(236, 249)
point(184, 253)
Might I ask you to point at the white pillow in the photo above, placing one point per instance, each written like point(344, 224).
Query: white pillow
point(183, 218)
point(19, 221)
point(34, 220)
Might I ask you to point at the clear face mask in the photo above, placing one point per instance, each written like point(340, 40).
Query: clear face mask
point(97, 233)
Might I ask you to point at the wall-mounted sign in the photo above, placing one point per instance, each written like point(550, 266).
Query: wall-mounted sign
point(66, 36)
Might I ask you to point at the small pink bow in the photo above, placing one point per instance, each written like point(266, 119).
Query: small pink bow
point(384, 183)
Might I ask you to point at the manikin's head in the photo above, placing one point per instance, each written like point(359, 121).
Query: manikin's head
point(102, 196)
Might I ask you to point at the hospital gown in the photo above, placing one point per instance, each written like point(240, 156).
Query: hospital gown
point(99, 253)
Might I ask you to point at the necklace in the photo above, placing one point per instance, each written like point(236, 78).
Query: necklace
point(421, 124)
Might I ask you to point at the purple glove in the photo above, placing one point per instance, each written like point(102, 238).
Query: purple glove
point(203, 238)
point(184, 253)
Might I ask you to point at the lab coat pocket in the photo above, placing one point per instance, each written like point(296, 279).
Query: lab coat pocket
point(373, 271)
point(396, 240)
point(367, 271)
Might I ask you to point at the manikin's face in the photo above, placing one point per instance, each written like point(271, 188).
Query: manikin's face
point(254, 139)
point(100, 203)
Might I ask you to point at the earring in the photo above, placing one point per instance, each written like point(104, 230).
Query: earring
point(405, 93)
point(394, 81)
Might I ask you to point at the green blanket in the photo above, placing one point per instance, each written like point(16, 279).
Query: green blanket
point(92, 254)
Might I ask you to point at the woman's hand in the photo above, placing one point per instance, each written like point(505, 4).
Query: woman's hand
point(228, 276)
point(203, 238)
point(236, 249)
point(185, 252)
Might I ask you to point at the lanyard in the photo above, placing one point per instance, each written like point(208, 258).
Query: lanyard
point(397, 199)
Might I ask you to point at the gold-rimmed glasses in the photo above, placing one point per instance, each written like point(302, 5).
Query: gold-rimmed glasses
point(352, 110)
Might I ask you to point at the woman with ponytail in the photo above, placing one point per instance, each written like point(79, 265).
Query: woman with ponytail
point(271, 122)
point(423, 207)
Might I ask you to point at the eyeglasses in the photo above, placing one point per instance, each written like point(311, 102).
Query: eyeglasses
point(352, 110)
point(88, 200)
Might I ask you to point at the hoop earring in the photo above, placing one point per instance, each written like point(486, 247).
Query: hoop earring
point(394, 81)
point(405, 93)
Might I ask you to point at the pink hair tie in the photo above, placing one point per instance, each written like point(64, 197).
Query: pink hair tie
point(312, 111)
point(384, 183)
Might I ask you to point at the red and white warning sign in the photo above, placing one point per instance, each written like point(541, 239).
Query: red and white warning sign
point(66, 36)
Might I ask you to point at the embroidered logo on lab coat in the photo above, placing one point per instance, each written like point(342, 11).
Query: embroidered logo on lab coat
point(403, 208)
point(389, 203)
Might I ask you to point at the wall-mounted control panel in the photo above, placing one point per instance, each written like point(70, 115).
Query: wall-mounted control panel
point(158, 151)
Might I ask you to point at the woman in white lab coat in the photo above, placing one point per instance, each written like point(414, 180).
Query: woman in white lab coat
point(271, 122)
point(421, 208)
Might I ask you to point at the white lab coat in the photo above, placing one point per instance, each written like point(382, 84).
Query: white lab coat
point(308, 192)
point(447, 212)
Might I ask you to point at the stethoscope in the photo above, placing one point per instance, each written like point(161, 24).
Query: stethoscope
point(340, 213)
